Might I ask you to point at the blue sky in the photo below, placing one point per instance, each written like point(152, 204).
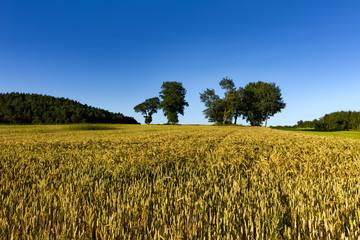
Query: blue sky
point(115, 54)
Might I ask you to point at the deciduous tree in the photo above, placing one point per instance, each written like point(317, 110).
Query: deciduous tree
point(214, 106)
point(222, 110)
point(148, 108)
point(173, 100)
point(229, 101)
point(261, 101)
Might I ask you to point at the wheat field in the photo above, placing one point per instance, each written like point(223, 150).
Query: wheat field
point(176, 182)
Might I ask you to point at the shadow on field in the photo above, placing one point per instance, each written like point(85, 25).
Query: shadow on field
point(90, 127)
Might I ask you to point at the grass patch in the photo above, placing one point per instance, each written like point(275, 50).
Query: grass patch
point(346, 134)
point(333, 133)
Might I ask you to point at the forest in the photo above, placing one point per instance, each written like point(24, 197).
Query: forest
point(23, 108)
point(342, 121)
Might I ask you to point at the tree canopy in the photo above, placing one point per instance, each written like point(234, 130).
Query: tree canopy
point(21, 108)
point(222, 110)
point(148, 108)
point(257, 102)
point(214, 106)
point(173, 100)
point(261, 101)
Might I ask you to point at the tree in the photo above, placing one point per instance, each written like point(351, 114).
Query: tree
point(173, 100)
point(238, 103)
point(214, 106)
point(148, 108)
point(228, 85)
point(222, 110)
point(261, 101)
point(228, 104)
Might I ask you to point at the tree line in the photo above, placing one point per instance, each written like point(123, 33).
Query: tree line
point(21, 108)
point(256, 103)
point(342, 121)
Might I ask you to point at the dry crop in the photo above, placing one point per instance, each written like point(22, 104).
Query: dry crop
point(176, 182)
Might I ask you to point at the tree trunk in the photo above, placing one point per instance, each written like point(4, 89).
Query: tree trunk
point(267, 115)
point(224, 118)
point(226, 114)
point(235, 117)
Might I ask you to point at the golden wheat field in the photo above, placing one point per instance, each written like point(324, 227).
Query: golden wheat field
point(176, 182)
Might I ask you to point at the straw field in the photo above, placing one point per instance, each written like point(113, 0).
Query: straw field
point(176, 182)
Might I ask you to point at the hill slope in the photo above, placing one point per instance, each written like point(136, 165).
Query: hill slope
point(21, 108)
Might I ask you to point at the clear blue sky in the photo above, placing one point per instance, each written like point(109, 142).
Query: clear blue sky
point(115, 54)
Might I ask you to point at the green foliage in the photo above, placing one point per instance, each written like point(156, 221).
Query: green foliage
point(261, 101)
point(173, 100)
point(214, 105)
point(227, 103)
point(227, 84)
point(257, 102)
point(306, 124)
point(222, 110)
point(338, 121)
point(237, 103)
point(342, 120)
point(21, 108)
point(148, 119)
point(148, 108)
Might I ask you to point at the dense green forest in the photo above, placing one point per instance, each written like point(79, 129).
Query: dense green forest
point(334, 121)
point(21, 108)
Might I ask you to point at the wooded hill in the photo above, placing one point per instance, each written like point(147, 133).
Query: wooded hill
point(22, 108)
